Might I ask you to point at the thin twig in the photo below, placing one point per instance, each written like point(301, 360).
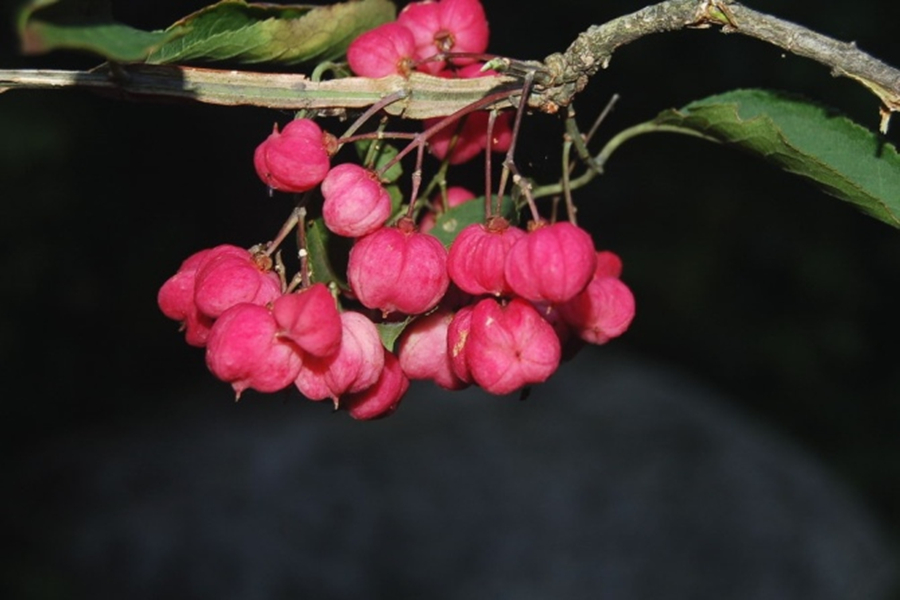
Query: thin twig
point(565, 74)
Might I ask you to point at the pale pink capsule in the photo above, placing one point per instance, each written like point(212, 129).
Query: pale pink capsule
point(445, 26)
point(176, 296)
point(608, 264)
point(604, 310)
point(176, 300)
point(423, 352)
point(354, 367)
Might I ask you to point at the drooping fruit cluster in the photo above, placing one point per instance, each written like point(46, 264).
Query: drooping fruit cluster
point(500, 310)
point(493, 305)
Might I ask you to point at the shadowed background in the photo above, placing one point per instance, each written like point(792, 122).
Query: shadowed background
point(745, 278)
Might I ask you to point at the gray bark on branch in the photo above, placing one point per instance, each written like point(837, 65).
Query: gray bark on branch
point(561, 76)
point(558, 79)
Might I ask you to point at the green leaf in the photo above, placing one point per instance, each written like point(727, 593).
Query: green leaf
point(397, 207)
point(381, 155)
point(325, 249)
point(391, 330)
point(286, 34)
point(841, 157)
point(232, 30)
point(448, 224)
point(86, 25)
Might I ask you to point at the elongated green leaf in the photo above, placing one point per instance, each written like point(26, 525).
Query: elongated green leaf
point(86, 25)
point(327, 255)
point(230, 30)
point(841, 157)
point(284, 34)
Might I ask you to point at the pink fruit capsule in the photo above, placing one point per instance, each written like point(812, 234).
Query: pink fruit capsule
point(354, 367)
point(382, 398)
point(423, 352)
point(295, 159)
point(309, 318)
point(355, 202)
point(231, 275)
point(602, 311)
point(552, 263)
point(445, 26)
point(389, 49)
point(398, 269)
point(477, 257)
point(176, 300)
point(510, 346)
point(244, 350)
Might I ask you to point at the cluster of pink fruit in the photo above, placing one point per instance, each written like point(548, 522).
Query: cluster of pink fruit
point(500, 308)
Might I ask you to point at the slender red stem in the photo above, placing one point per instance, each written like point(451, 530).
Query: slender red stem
point(423, 136)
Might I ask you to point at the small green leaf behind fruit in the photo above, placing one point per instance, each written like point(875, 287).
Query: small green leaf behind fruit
point(390, 331)
point(448, 224)
point(326, 251)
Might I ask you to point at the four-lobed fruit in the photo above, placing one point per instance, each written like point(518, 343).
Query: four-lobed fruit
point(398, 269)
point(229, 275)
point(552, 263)
point(310, 319)
point(355, 202)
point(510, 346)
point(477, 257)
point(245, 350)
point(176, 300)
point(295, 159)
point(355, 367)
point(389, 49)
point(458, 26)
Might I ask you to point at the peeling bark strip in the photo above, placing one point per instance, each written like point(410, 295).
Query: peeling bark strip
point(558, 79)
point(426, 96)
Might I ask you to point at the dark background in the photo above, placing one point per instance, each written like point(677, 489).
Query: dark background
point(746, 277)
